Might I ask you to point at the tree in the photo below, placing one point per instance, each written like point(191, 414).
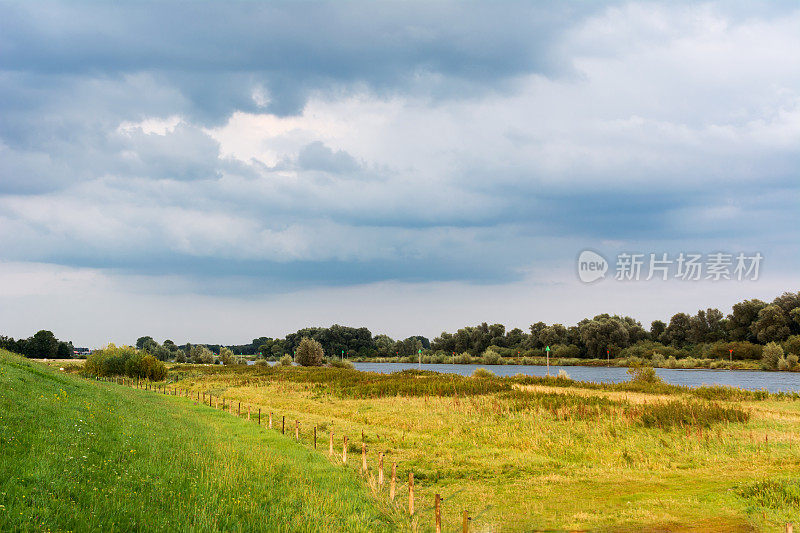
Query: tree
point(65, 350)
point(742, 318)
point(141, 341)
point(771, 325)
point(226, 355)
point(677, 332)
point(771, 355)
point(602, 333)
point(535, 330)
point(309, 353)
point(657, 328)
point(43, 345)
point(551, 335)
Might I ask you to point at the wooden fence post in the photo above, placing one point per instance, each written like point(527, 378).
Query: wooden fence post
point(330, 444)
point(248, 412)
point(411, 493)
point(380, 469)
point(344, 450)
point(297, 430)
point(315, 437)
point(283, 425)
point(393, 482)
point(239, 410)
point(363, 457)
point(465, 523)
point(270, 420)
point(437, 505)
point(789, 527)
point(259, 416)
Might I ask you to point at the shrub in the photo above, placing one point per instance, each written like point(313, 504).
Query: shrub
point(741, 350)
point(491, 357)
point(464, 358)
point(562, 374)
point(125, 361)
point(671, 362)
point(286, 360)
point(226, 355)
point(309, 353)
point(482, 373)
point(792, 345)
point(199, 354)
point(528, 361)
point(643, 374)
point(566, 351)
point(340, 363)
point(771, 355)
point(792, 361)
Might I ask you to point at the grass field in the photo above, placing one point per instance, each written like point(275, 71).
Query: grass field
point(92, 456)
point(531, 454)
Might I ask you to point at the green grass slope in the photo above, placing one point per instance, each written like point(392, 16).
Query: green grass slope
point(83, 456)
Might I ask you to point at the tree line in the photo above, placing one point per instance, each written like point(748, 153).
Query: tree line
point(746, 330)
point(43, 345)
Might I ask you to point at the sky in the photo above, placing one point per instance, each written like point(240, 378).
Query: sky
point(220, 171)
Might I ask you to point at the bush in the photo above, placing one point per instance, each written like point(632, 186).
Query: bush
point(482, 373)
point(226, 355)
point(792, 361)
point(741, 350)
point(309, 353)
point(792, 345)
point(643, 374)
point(125, 361)
point(491, 357)
point(286, 360)
point(566, 351)
point(562, 374)
point(464, 358)
point(340, 363)
point(771, 355)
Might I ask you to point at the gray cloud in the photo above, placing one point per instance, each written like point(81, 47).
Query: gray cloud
point(485, 138)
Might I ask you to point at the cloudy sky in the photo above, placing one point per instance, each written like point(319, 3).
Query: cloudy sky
point(214, 172)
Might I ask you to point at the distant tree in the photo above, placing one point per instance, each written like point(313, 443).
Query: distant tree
point(789, 302)
point(515, 338)
point(771, 355)
point(226, 355)
point(602, 333)
point(772, 325)
point(535, 329)
point(169, 345)
point(677, 332)
point(309, 353)
point(552, 335)
point(43, 345)
point(657, 328)
point(383, 345)
point(741, 319)
point(142, 341)
point(65, 350)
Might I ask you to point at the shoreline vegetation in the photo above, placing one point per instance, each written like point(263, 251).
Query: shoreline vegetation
point(754, 335)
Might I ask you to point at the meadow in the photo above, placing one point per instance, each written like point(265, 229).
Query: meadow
point(526, 453)
point(79, 455)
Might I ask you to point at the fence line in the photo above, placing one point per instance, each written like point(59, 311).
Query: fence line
point(364, 470)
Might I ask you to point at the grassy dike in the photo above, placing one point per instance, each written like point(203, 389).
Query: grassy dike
point(82, 456)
